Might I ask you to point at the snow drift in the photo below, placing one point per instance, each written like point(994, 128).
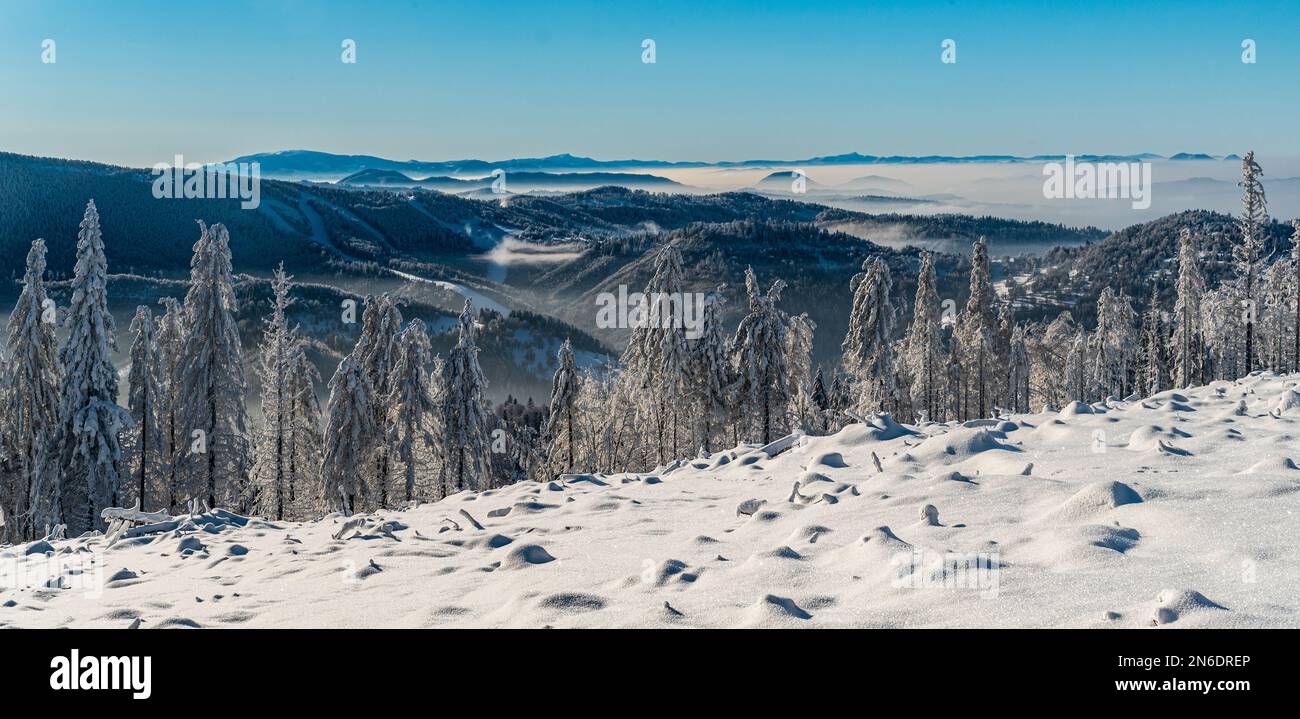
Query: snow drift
point(991, 524)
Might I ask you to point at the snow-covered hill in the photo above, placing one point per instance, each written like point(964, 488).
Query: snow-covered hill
point(1178, 510)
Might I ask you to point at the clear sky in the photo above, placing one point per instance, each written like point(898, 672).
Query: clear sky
point(138, 81)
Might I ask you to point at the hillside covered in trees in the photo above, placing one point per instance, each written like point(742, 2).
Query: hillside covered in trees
point(407, 418)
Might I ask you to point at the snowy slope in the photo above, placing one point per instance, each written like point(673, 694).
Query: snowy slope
point(1182, 513)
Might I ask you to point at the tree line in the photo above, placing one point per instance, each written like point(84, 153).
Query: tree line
point(403, 425)
point(672, 398)
point(68, 450)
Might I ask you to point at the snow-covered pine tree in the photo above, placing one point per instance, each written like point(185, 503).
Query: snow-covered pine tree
point(170, 332)
point(350, 436)
point(593, 432)
point(143, 398)
point(31, 401)
point(925, 354)
point(868, 345)
point(1049, 352)
point(1078, 368)
point(657, 354)
point(1002, 382)
point(1221, 325)
point(305, 438)
point(759, 360)
point(271, 459)
point(377, 352)
point(955, 381)
point(1187, 336)
point(600, 428)
point(1295, 293)
point(79, 474)
point(1274, 322)
point(710, 373)
point(799, 339)
point(1018, 370)
point(465, 419)
point(1246, 254)
point(559, 430)
point(214, 420)
point(977, 327)
point(1153, 376)
point(1116, 343)
point(899, 402)
point(413, 404)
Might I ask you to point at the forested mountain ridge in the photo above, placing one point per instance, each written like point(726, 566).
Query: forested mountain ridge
point(322, 231)
point(310, 226)
point(1129, 260)
point(813, 262)
point(820, 336)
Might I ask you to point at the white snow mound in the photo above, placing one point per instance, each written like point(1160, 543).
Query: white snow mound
point(1023, 521)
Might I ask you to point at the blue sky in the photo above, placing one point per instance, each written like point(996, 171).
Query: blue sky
point(138, 81)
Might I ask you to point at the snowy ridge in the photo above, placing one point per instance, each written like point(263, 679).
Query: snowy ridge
point(1175, 510)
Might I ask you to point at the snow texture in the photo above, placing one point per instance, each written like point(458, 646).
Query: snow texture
point(1078, 533)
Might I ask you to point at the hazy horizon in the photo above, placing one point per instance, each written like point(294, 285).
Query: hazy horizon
point(135, 84)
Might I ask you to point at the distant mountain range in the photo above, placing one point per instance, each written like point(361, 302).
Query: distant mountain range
point(524, 180)
point(324, 165)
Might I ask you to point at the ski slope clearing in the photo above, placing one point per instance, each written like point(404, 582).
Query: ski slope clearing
point(1179, 510)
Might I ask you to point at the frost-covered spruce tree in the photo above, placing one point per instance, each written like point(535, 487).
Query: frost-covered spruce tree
point(377, 352)
point(657, 354)
point(710, 373)
point(271, 458)
point(1246, 254)
point(674, 353)
point(170, 332)
point(925, 354)
point(211, 387)
point(79, 475)
point(413, 404)
point(305, 439)
point(31, 402)
point(559, 431)
point(1295, 293)
point(606, 435)
point(799, 340)
point(1154, 374)
point(759, 360)
point(1187, 337)
point(144, 395)
point(350, 436)
point(868, 345)
point(977, 327)
point(1018, 370)
point(1221, 324)
point(1002, 351)
point(465, 418)
point(594, 432)
point(1049, 351)
point(1078, 370)
point(955, 381)
point(1274, 321)
point(899, 401)
point(1116, 343)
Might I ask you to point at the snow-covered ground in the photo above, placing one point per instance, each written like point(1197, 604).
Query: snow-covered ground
point(1179, 510)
